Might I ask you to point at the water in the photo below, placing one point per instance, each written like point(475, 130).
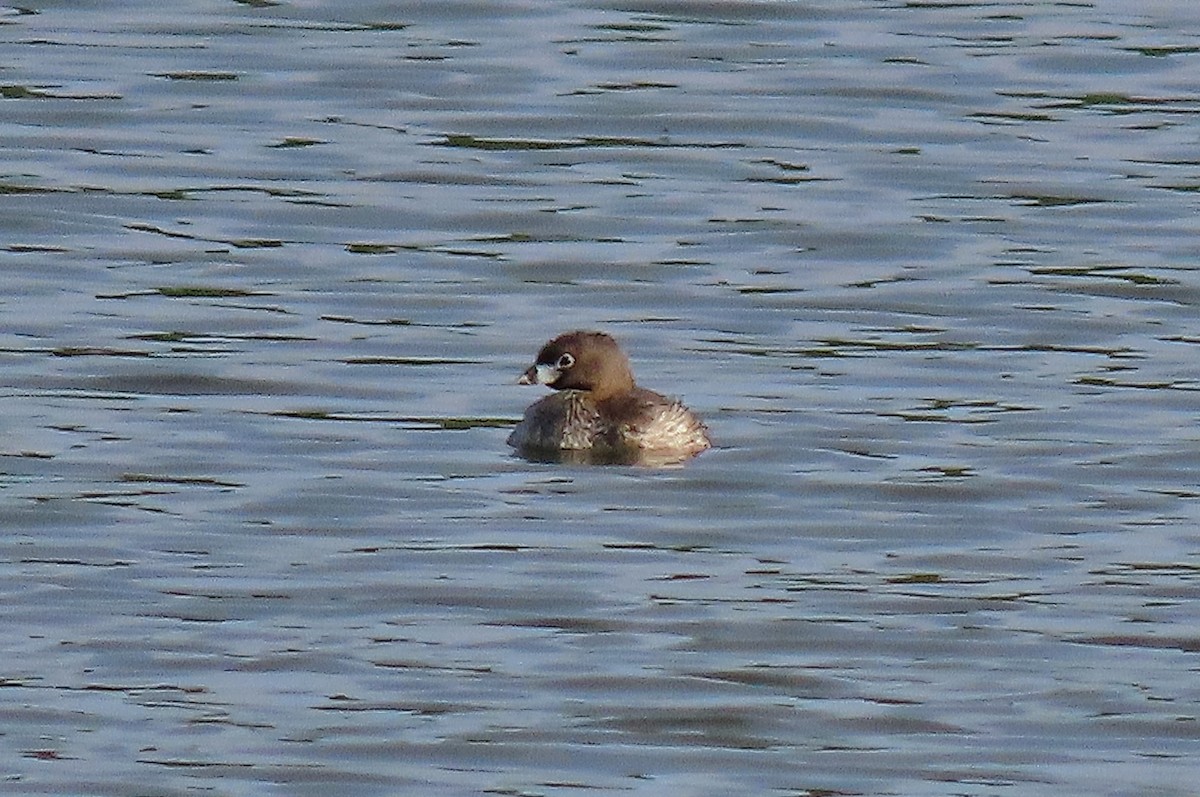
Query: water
point(928, 271)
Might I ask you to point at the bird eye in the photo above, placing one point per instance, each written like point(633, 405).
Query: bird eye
point(565, 361)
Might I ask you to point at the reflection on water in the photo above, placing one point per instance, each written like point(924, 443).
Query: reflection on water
point(927, 272)
point(646, 458)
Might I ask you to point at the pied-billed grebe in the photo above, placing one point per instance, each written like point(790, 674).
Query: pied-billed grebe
point(599, 408)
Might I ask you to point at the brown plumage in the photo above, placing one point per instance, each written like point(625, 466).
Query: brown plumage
point(599, 408)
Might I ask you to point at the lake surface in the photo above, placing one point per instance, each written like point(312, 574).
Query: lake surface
point(929, 271)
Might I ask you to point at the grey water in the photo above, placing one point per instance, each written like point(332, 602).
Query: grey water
point(929, 271)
